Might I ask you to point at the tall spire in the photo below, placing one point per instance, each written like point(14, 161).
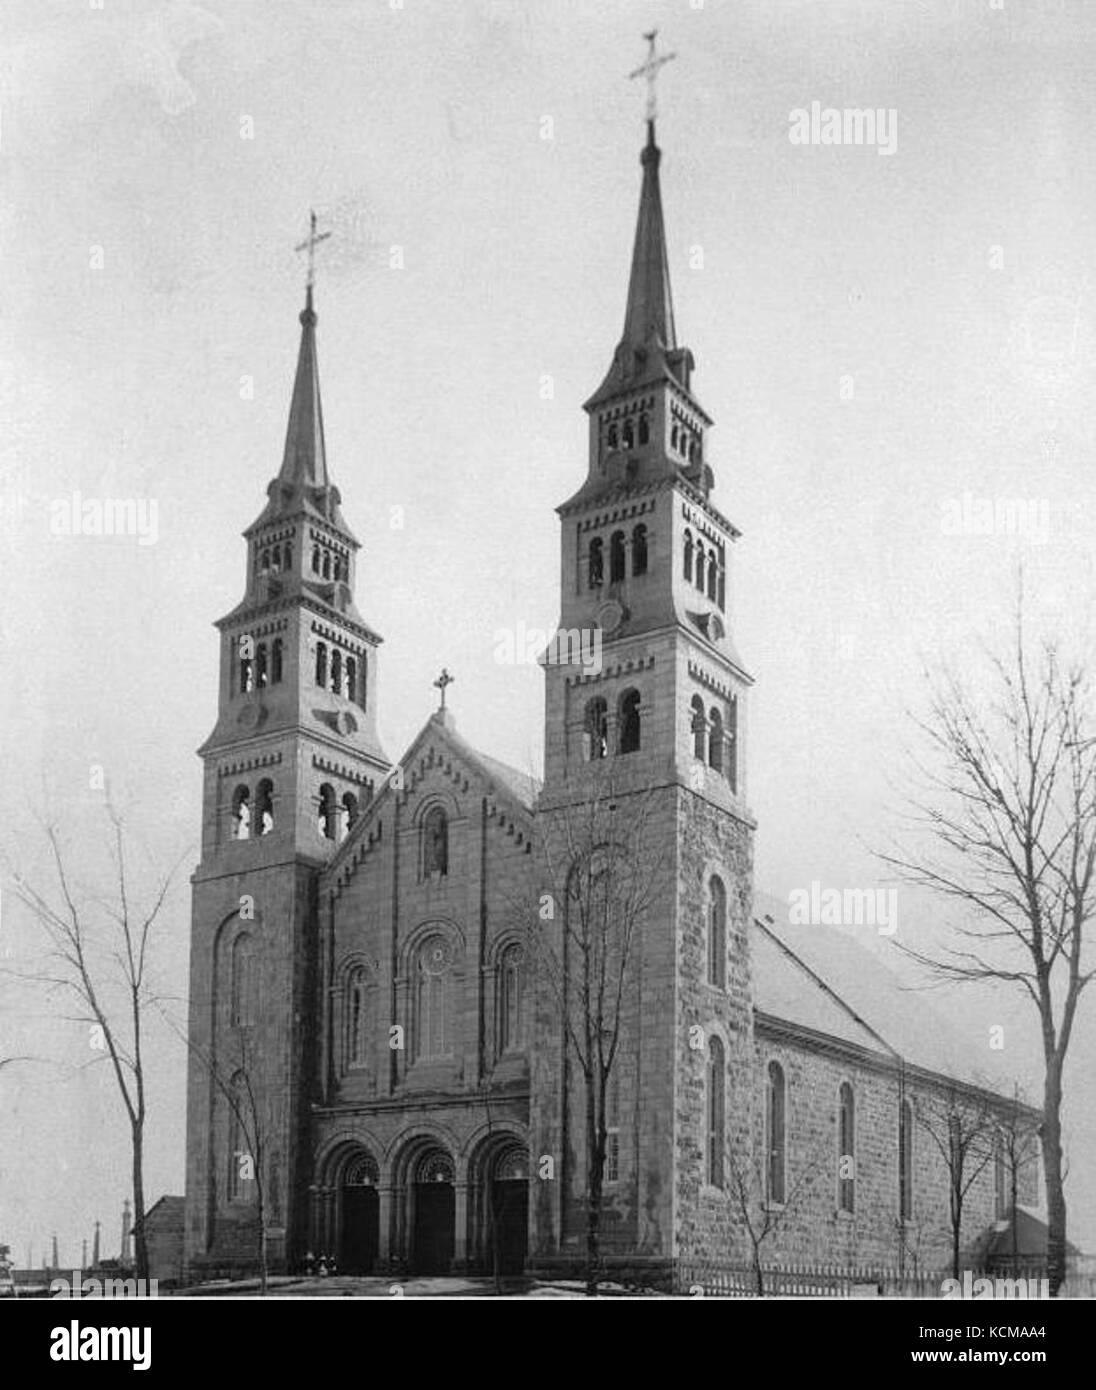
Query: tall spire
point(648, 349)
point(305, 458)
point(649, 318)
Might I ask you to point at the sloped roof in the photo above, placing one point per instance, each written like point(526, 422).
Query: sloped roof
point(821, 978)
point(1031, 1235)
point(519, 784)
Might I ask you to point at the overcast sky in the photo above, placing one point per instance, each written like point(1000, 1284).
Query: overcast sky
point(883, 340)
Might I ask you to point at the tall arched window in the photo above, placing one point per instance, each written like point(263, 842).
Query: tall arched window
point(846, 1150)
point(629, 722)
point(905, 1161)
point(722, 596)
point(326, 565)
point(261, 671)
point(627, 434)
point(715, 740)
point(433, 999)
point(321, 665)
point(435, 843)
point(277, 661)
point(616, 558)
point(611, 437)
point(241, 814)
point(639, 549)
point(242, 988)
point(644, 429)
point(241, 1162)
point(596, 731)
point(264, 562)
point(351, 685)
point(730, 744)
point(596, 563)
point(357, 1017)
point(713, 576)
point(717, 933)
point(510, 1010)
point(717, 1088)
point(336, 671)
point(287, 557)
point(700, 567)
point(315, 559)
point(328, 824)
point(699, 725)
point(687, 565)
point(264, 807)
point(775, 1137)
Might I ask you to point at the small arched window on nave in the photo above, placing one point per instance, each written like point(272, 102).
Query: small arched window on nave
point(357, 1017)
point(511, 1004)
point(435, 843)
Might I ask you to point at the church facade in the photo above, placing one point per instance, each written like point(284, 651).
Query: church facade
point(393, 1055)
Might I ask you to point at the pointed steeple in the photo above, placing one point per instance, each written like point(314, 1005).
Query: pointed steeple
point(305, 458)
point(650, 313)
point(648, 350)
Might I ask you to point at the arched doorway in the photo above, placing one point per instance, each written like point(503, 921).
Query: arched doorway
point(434, 1213)
point(500, 1203)
point(360, 1216)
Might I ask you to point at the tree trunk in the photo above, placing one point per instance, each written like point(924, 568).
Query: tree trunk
point(262, 1246)
point(758, 1276)
point(140, 1245)
point(956, 1228)
point(593, 1210)
point(1052, 1172)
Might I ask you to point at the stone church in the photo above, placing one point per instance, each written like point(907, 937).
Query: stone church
point(383, 1058)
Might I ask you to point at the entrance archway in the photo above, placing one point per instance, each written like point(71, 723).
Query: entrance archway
point(360, 1228)
point(500, 1205)
point(433, 1222)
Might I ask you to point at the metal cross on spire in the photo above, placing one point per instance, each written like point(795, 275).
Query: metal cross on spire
point(650, 70)
point(310, 243)
point(442, 681)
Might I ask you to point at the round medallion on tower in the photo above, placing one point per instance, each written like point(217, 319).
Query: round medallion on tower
point(610, 616)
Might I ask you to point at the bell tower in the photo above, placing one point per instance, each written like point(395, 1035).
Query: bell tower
point(659, 720)
point(292, 760)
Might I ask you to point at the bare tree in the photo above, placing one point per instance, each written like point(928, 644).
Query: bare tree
point(251, 1124)
point(1010, 816)
point(107, 974)
point(762, 1217)
point(604, 863)
point(1019, 1139)
point(962, 1126)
